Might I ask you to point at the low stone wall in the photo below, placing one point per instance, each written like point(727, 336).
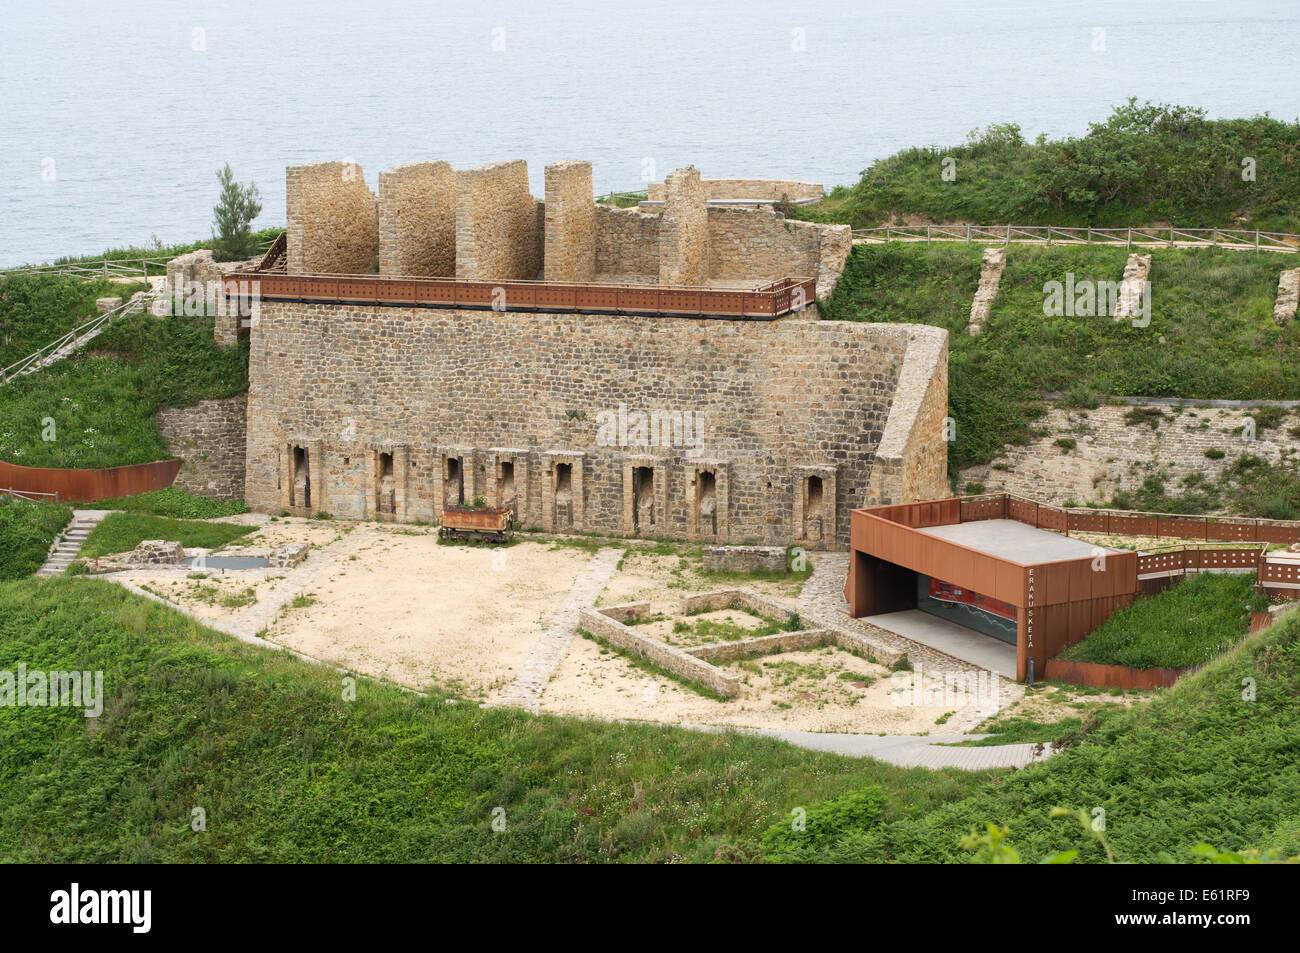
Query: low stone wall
point(760, 245)
point(736, 599)
point(763, 645)
point(744, 558)
point(157, 552)
point(774, 190)
point(627, 242)
point(211, 438)
point(668, 657)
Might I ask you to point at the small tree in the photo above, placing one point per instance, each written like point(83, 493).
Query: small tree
point(232, 218)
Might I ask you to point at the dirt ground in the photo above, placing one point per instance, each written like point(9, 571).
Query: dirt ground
point(391, 602)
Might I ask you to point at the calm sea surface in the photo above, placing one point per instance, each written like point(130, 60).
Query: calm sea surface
point(116, 115)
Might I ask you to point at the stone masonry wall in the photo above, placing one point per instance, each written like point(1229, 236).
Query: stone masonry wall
point(627, 242)
point(498, 228)
point(1109, 453)
point(333, 220)
point(684, 232)
point(417, 220)
point(345, 382)
point(570, 232)
point(912, 458)
point(762, 245)
point(210, 437)
point(774, 190)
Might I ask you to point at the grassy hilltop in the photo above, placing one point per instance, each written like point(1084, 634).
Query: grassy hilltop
point(1146, 164)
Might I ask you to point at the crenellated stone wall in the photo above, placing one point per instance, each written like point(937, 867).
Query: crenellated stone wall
point(570, 232)
point(627, 243)
point(684, 231)
point(613, 423)
point(417, 220)
point(498, 224)
point(749, 244)
point(211, 438)
point(333, 220)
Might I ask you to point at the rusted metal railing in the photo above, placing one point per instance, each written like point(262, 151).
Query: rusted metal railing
point(763, 302)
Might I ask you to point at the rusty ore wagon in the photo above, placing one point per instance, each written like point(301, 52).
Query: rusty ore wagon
point(491, 523)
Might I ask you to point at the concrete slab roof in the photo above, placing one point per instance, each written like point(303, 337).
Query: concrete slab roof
point(1013, 540)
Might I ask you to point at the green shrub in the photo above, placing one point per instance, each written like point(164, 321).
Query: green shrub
point(825, 824)
point(1145, 163)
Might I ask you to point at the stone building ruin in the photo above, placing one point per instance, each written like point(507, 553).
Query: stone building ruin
point(388, 378)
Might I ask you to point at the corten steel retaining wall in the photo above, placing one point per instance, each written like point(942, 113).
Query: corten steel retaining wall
point(1129, 523)
point(87, 486)
point(1092, 675)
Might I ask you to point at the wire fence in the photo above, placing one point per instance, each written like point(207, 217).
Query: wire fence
point(1154, 237)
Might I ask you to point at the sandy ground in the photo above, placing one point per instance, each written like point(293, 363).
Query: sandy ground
point(390, 602)
point(663, 579)
point(803, 691)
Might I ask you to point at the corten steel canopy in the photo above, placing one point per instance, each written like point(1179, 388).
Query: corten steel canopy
point(1058, 601)
point(762, 303)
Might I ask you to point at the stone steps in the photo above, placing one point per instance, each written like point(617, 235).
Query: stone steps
point(68, 544)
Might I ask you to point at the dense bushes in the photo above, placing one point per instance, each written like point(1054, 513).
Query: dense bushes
point(1144, 165)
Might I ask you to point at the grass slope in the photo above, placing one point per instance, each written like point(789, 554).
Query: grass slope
point(27, 532)
point(288, 771)
point(37, 309)
point(1188, 624)
point(1146, 164)
point(103, 401)
point(1211, 333)
point(123, 532)
point(1216, 759)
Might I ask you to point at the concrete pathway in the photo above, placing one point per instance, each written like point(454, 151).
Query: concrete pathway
point(68, 543)
point(906, 751)
point(952, 638)
point(553, 644)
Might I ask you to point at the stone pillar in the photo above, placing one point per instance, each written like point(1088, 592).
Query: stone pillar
point(570, 237)
point(684, 234)
point(417, 220)
point(497, 224)
point(333, 220)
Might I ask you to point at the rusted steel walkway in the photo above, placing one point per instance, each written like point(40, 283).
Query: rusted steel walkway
point(270, 282)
